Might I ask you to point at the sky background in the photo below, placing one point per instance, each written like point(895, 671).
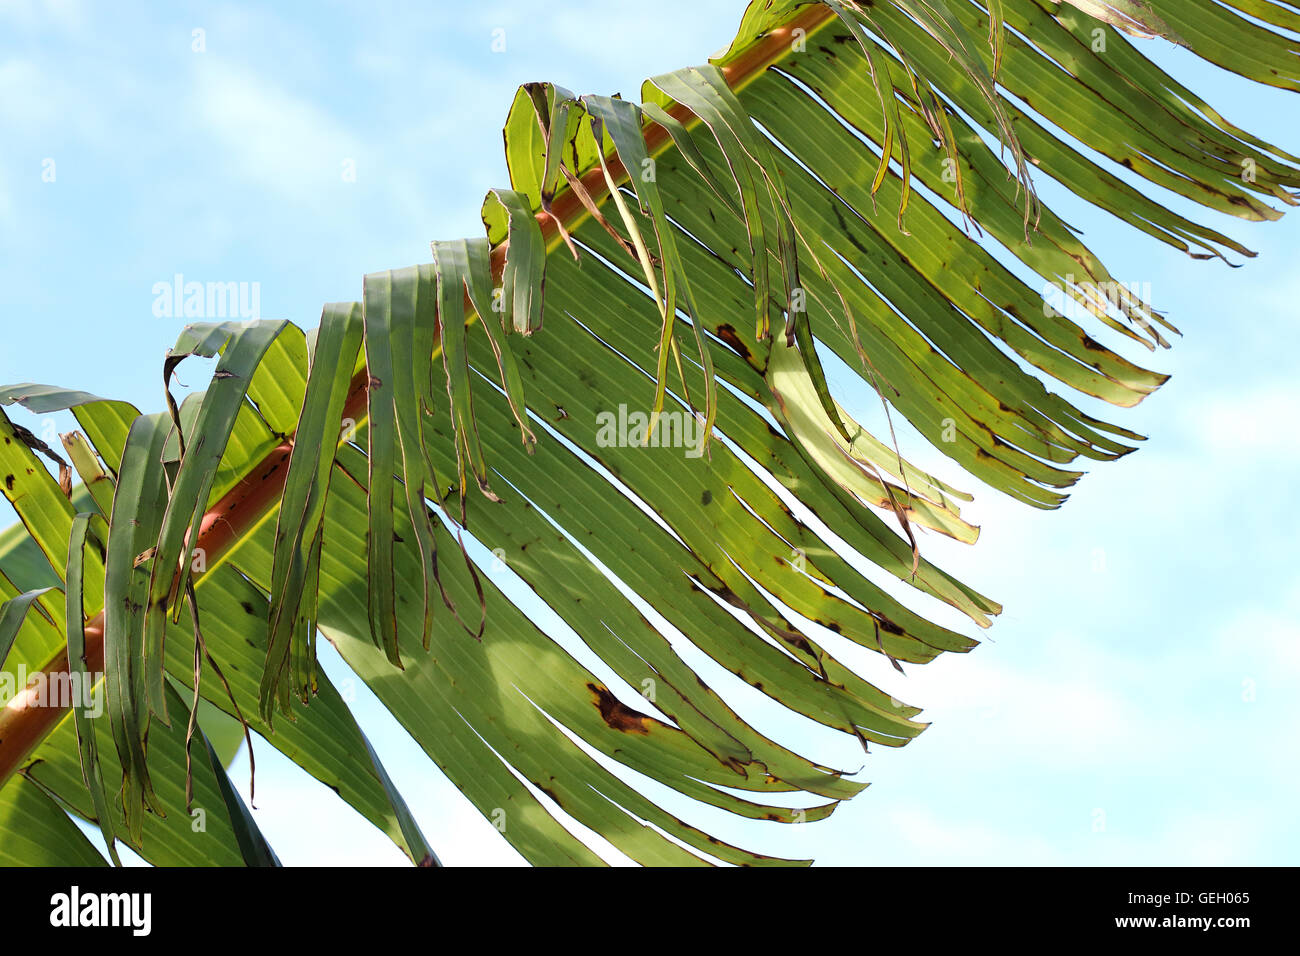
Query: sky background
point(1136, 702)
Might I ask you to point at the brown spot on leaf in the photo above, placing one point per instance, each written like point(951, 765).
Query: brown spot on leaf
point(728, 334)
point(797, 641)
point(617, 714)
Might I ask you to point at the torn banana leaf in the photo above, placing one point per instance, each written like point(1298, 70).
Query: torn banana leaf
point(680, 525)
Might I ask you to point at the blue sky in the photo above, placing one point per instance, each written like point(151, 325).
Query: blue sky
point(1135, 703)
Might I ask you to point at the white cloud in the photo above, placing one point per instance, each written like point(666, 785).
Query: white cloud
point(1260, 421)
point(1064, 704)
point(271, 137)
point(929, 839)
point(66, 15)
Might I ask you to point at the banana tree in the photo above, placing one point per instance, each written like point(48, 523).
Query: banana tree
point(614, 396)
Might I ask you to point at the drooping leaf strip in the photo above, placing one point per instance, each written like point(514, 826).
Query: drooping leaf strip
point(93, 528)
point(506, 217)
point(295, 578)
